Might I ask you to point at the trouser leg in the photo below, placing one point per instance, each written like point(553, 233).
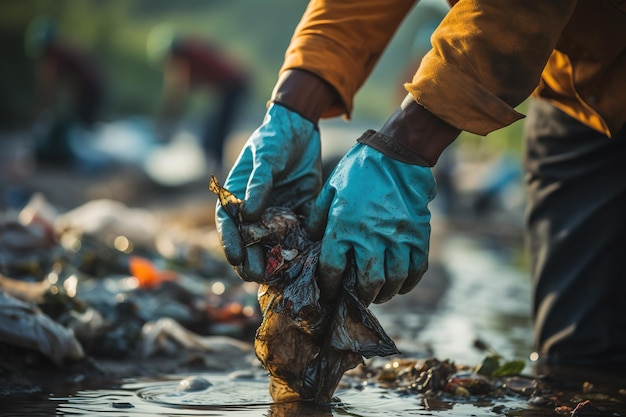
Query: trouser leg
point(219, 126)
point(576, 231)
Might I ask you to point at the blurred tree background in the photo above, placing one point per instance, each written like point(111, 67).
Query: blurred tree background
point(115, 31)
point(256, 33)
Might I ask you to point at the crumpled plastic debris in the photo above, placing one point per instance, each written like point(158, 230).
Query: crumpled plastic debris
point(304, 344)
point(165, 335)
point(22, 324)
point(28, 247)
point(108, 218)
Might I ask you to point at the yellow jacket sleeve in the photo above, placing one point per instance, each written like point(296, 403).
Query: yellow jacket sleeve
point(584, 76)
point(488, 57)
point(341, 42)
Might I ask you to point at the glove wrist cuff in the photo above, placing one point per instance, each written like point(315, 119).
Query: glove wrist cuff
point(388, 146)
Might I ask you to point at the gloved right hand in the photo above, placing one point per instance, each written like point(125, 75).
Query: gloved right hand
point(374, 206)
point(280, 165)
point(374, 209)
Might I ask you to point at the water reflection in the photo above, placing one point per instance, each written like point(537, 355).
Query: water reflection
point(236, 398)
point(486, 299)
point(28, 405)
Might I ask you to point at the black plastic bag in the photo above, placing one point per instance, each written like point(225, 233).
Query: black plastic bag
point(305, 345)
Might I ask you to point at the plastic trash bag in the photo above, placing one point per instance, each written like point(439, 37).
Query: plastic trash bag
point(165, 335)
point(304, 344)
point(23, 324)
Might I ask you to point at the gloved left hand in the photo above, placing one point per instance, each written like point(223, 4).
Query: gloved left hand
point(373, 208)
point(280, 165)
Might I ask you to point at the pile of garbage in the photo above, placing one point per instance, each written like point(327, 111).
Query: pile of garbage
point(109, 281)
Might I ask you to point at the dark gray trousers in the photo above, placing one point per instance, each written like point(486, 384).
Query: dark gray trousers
point(576, 232)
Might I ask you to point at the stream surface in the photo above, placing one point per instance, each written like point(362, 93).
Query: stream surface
point(486, 299)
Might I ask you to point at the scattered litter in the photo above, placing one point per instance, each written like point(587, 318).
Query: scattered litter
point(24, 325)
point(167, 336)
point(91, 281)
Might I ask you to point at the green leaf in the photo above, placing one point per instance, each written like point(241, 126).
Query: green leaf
point(510, 368)
point(488, 365)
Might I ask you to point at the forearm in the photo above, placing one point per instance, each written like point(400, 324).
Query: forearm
point(472, 80)
point(305, 93)
point(341, 42)
point(412, 135)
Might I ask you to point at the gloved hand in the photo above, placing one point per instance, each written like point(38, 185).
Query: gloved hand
point(373, 208)
point(280, 165)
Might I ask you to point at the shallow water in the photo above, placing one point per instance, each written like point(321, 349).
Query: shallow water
point(236, 397)
point(248, 397)
point(487, 299)
point(233, 397)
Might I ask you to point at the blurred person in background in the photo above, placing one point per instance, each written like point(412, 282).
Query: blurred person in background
point(192, 65)
point(485, 59)
point(69, 94)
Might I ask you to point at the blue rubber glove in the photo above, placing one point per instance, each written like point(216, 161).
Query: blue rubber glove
point(280, 165)
point(373, 208)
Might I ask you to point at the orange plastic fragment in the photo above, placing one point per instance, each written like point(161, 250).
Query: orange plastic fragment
point(147, 275)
